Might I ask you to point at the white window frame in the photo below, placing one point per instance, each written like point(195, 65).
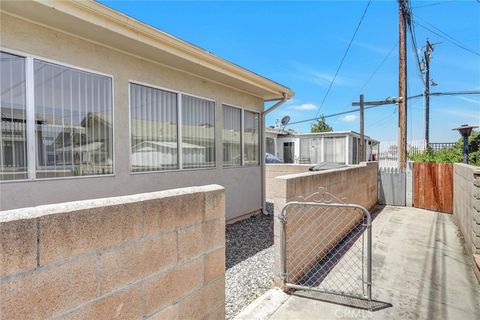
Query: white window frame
point(30, 111)
point(242, 137)
point(179, 128)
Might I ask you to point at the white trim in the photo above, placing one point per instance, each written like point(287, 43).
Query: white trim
point(31, 126)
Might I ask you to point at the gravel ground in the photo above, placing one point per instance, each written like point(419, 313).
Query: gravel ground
point(249, 254)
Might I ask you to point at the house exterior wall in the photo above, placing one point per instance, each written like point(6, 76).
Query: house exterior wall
point(242, 184)
point(158, 255)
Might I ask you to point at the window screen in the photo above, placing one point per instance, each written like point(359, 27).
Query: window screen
point(232, 143)
point(198, 132)
point(270, 143)
point(251, 136)
point(334, 149)
point(74, 122)
point(13, 133)
point(153, 121)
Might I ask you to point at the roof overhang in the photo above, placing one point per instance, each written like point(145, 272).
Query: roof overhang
point(95, 22)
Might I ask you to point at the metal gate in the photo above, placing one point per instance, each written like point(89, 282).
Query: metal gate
point(392, 186)
point(326, 246)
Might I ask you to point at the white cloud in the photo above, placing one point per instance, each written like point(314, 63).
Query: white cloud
point(303, 107)
point(349, 118)
point(468, 114)
point(368, 46)
point(319, 77)
point(324, 79)
point(469, 100)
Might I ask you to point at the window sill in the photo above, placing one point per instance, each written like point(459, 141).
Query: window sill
point(58, 178)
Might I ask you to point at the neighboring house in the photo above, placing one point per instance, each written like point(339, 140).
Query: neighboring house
point(97, 104)
point(312, 148)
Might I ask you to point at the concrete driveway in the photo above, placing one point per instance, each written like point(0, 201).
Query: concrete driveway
point(419, 267)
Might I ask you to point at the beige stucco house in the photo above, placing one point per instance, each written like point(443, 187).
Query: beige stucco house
point(97, 104)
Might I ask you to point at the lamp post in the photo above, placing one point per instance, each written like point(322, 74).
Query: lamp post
point(465, 130)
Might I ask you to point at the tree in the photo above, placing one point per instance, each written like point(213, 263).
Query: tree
point(321, 126)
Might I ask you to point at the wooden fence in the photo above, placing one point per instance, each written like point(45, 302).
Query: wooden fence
point(433, 186)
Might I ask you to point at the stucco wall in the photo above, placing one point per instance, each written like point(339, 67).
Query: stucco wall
point(274, 170)
point(242, 185)
point(323, 228)
point(466, 204)
point(157, 255)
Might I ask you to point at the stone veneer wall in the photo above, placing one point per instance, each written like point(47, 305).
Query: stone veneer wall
point(358, 184)
point(157, 255)
point(466, 204)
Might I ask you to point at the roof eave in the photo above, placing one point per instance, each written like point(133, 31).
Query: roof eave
point(110, 21)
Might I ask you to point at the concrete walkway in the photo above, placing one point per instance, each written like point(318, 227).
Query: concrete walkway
point(419, 266)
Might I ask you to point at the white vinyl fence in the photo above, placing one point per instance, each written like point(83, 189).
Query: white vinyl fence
point(388, 155)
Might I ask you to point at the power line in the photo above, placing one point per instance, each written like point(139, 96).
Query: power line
point(444, 35)
point(413, 37)
point(378, 68)
point(433, 4)
point(344, 56)
point(452, 93)
point(385, 120)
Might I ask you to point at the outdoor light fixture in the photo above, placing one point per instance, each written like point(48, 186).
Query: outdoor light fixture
point(465, 130)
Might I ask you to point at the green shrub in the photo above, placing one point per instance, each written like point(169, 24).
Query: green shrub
point(451, 155)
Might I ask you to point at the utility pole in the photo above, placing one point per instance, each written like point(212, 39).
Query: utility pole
point(403, 19)
point(426, 91)
point(362, 103)
point(362, 130)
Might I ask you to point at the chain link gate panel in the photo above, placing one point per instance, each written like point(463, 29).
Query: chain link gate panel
point(326, 246)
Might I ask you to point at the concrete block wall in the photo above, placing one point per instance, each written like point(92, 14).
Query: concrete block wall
point(157, 255)
point(466, 204)
point(273, 170)
point(320, 228)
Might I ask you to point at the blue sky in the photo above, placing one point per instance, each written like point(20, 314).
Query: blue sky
point(300, 44)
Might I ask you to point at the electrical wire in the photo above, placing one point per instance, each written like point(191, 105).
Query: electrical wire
point(443, 35)
point(378, 68)
point(384, 119)
point(343, 58)
point(433, 4)
point(413, 37)
point(452, 93)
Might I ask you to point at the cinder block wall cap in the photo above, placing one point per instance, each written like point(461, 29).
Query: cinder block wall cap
point(39, 211)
